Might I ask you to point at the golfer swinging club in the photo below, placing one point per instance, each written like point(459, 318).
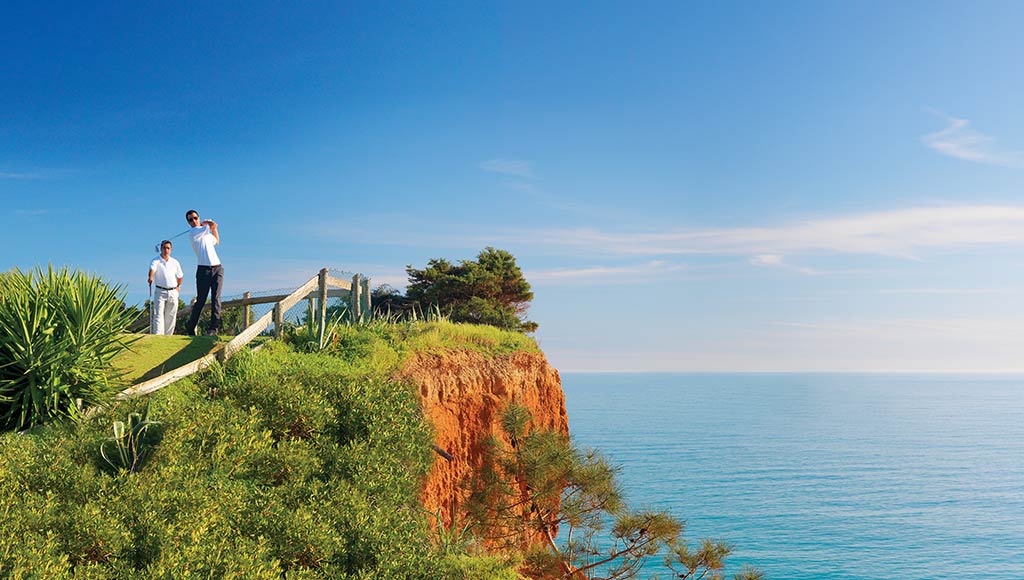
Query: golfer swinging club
point(209, 272)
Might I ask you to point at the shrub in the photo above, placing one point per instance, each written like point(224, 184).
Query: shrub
point(59, 332)
point(489, 290)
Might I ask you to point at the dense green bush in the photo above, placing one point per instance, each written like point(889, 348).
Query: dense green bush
point(277, 465)
point(489, 290)
point(59, 331)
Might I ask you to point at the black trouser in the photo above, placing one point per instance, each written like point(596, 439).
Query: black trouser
point(209, 279)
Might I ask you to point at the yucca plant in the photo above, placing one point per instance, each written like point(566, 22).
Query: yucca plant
point(131, 444)
point(59, 332)
point(454, 539)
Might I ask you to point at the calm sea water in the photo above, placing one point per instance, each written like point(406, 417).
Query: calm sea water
point(812, 476)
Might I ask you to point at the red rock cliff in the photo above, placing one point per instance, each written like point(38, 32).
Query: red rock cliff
point(464, 395)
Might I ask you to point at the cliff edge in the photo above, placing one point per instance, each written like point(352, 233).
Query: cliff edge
point(463, 394)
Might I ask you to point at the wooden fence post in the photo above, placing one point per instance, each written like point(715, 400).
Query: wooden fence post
point(356, 300)
point(278, 320)
point(368, 306)
point(321, 315)
point(311, 312)
point(246, 319)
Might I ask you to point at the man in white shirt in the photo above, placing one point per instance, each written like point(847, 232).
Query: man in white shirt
point(209, 272)
point(166, 273)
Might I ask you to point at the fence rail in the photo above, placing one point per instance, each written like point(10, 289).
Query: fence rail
point(317, 290)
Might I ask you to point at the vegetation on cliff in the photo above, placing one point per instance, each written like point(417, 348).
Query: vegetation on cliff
point(280, 464)
point(489, 290)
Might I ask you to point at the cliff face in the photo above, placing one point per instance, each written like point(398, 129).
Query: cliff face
point(464, 395)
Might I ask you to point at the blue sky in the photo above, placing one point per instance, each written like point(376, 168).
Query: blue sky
point(688, 186)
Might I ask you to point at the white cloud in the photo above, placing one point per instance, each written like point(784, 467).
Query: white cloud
point(778, 261)
point(625, 274)
point(956, 330)
point(894, 233)
point(903, 233)
point(514, 167)
point(38, 174)
point(946, 291)
point(959, 140)
point(880, 345)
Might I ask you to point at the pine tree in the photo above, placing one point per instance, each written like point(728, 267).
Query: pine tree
point(564, 505)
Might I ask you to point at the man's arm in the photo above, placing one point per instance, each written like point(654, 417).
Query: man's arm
point(213, 229)
point(150, 276)
point(179, 282)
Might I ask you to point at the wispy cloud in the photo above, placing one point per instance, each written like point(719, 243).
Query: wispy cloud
point(905, 233)
point(879, 345)
point(959, 140)
point(13, 175)
point(894, 233)
point(946, 291)
point(778, 261)
point(626, 274)
point(516, 167)
point(953, 329)
point(38, 174)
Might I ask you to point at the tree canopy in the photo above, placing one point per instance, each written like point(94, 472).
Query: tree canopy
point(489, 290)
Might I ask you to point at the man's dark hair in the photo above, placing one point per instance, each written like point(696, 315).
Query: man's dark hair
point(190, 212)
point(168, 242)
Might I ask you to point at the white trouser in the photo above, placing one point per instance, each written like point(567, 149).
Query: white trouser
point(164, 311)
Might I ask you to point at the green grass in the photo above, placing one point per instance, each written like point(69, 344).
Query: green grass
point(405, 339)
point(441, 336)
point(152, 355)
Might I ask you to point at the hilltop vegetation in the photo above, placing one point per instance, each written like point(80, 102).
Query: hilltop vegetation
point(280, 464)
point(490, 290)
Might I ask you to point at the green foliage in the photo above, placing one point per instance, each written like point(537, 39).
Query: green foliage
point(490, 290)
point(132, 442)
point(539, 486)
point(278, 464)
point(59, 332)
point(307, 337)
point(385, 342)
point(490, 567)
point(452, 540)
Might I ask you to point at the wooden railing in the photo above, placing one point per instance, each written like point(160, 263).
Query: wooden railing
point(316, 290)
point(356, 292)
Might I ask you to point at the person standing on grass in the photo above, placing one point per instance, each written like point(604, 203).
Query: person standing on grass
point(163, 308)
point(209, 272)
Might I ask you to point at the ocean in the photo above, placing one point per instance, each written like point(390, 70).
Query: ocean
point(822, 476)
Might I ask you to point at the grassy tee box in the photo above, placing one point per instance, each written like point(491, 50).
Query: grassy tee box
point(152, 355)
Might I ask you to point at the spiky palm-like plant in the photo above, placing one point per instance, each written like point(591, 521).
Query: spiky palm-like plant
point(59, 332)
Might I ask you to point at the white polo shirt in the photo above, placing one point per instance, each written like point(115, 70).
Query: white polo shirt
point(166, 274)
point(203, 244)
